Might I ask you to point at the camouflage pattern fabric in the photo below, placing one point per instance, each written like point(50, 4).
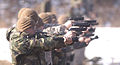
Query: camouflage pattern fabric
point(8, 32)
point(58, 58)
point(50, 25)
point(28, 50)
point(55, 30)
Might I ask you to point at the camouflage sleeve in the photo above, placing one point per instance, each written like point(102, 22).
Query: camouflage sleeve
point(19, 43)
point(23, 44)
point(55, 30)
point(50, 43)
point(8, 32)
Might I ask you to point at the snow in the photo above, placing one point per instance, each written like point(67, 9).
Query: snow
point(4, 46)
point(107, 46)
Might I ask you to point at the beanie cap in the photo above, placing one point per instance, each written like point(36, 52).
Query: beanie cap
point(24, 24)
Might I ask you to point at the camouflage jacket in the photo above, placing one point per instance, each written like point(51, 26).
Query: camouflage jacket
point(58, 58)
point(29, 50)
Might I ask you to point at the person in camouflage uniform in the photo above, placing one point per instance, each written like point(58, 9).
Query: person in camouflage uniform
point(55, 56)
point(26, 49)
point(58, 55)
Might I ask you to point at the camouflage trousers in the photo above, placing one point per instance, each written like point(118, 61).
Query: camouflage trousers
point(58, 58)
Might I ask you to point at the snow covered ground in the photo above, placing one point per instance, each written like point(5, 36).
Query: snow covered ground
point(107, 46)
point(4, 46)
